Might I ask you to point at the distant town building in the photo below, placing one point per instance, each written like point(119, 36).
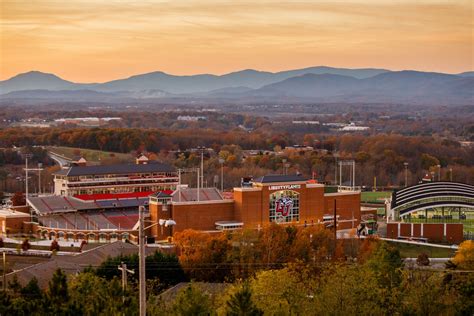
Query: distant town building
point(190, 118)
point(306, 122)
point(299, 148)
point(87, 121)
point(353, 128)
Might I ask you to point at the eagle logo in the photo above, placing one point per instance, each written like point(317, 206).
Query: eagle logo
point(283, 206)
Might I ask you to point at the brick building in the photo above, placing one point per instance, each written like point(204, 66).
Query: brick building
point(284, 199)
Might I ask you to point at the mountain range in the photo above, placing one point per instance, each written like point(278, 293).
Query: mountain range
point(314, 84)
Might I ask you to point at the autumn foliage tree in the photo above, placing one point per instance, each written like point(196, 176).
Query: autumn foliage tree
point(464, 258)
point(203, 255)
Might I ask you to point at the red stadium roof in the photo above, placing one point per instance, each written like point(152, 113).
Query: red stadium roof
point(115, 196)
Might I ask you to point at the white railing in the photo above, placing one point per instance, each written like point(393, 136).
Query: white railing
point(345, 188)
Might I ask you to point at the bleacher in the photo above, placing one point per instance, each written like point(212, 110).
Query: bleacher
point(87, 214)
point(58, 204)
point(55, 221)
point(122, 222)
point(100, 220)
point(78, 221)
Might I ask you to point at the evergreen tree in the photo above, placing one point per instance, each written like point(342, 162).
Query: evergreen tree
point(58, 289)
point(193, 302)
point(241, 304)
point(32, 290)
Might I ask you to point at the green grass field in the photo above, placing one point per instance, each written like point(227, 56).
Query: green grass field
point(412, 251)
point(90, 154)
point(373, 197)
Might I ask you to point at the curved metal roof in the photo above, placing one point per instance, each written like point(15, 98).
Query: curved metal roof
point(432, 194)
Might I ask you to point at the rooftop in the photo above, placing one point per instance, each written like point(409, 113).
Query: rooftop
point(274, 178)
point(7, 212)
point(63, 204)
point(190, 194)
point(116, 169)
point(71, 264)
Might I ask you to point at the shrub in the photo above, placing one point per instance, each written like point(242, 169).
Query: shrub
point(25, 245)
point(423, 259)
point(54, 245)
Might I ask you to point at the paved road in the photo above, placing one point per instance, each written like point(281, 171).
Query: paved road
point(60, 160)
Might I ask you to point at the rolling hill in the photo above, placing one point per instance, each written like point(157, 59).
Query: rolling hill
point(315, 84)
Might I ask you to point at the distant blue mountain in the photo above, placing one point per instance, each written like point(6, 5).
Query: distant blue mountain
point(175, 84)
point(467, 74)
point(316, 84)
point(35, 80)
point(392, 87)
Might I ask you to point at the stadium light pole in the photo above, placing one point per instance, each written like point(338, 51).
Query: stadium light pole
point(406, 173)
point(40, 167)
point(221, 161)
point(26, 174)
point(336, 155)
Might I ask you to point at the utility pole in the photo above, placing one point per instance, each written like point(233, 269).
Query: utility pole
point(4, 271)
point(123, 267)
point(141, 263)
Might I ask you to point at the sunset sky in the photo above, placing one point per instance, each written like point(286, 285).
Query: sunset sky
point(100, 40)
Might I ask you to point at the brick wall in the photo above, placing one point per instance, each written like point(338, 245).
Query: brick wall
point(347, 205)
point(201, 216)
point(433, 231)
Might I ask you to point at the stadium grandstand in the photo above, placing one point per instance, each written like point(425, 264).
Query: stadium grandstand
point(90, 212)
point(143, 176)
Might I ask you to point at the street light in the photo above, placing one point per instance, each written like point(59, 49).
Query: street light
point(406, 173)
point(221, 161)
point(451, 174)
point(284, 165)
point(439, 172)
